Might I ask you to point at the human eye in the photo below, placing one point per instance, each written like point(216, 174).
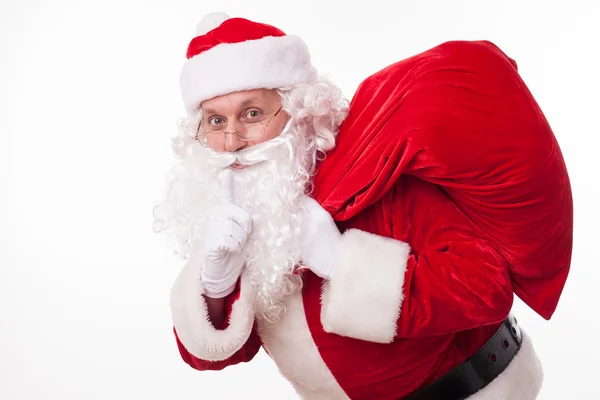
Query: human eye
point(253, 114)
point(215, 121)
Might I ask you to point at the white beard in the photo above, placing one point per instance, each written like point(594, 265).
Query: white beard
point(268, 190)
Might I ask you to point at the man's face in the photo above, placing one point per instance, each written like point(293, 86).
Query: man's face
point(250, 117)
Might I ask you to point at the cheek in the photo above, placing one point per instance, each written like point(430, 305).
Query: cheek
point(216, 142)
point(270, 133)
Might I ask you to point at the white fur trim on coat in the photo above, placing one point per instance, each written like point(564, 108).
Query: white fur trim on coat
point(521, 380)
point(191, 320)
point(267, 63)
point(290, 344)
point(362, 300)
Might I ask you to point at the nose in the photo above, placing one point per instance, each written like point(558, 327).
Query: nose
point(232, 142)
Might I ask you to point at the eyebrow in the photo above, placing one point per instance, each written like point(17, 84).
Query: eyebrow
point(244, 104)
point(249, 101)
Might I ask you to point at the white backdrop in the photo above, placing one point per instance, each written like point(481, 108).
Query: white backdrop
point(88, 98)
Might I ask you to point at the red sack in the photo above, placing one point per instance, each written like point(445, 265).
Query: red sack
point(459, 116)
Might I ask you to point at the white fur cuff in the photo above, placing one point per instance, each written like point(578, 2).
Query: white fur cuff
point(363, 298)
point(191, 321)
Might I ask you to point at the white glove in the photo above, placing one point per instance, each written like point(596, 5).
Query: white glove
point(225, 239)
point(320, 238)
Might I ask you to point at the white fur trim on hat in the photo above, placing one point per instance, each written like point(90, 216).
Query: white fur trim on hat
point(267, 63)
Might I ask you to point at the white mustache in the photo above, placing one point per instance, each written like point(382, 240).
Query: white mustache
point(253, 155)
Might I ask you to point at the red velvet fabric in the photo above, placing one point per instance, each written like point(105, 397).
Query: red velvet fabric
point(459, 116)
point(233, 30)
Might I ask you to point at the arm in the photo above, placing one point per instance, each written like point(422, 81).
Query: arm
point(201, 337)
point(211, 305)
point(450, 280)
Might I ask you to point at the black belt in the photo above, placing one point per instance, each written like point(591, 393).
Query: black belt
point(479, 370)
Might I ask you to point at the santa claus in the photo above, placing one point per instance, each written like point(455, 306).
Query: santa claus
point(372, 248)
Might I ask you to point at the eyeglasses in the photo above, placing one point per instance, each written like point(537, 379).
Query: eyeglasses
point(246, 132)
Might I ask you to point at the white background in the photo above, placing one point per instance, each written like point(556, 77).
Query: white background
point(88, 98)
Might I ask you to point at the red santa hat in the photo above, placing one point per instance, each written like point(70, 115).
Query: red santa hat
point(234, 54)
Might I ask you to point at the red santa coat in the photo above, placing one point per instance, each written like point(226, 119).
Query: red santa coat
point(452, 194)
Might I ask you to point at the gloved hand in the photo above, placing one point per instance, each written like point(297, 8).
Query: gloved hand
point(320, 238)
point(225, 239)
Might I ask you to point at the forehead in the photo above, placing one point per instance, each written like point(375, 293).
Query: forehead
point(257, 97)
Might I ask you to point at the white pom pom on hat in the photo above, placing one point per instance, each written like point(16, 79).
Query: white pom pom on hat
point(238, 55)
point(210, 22)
